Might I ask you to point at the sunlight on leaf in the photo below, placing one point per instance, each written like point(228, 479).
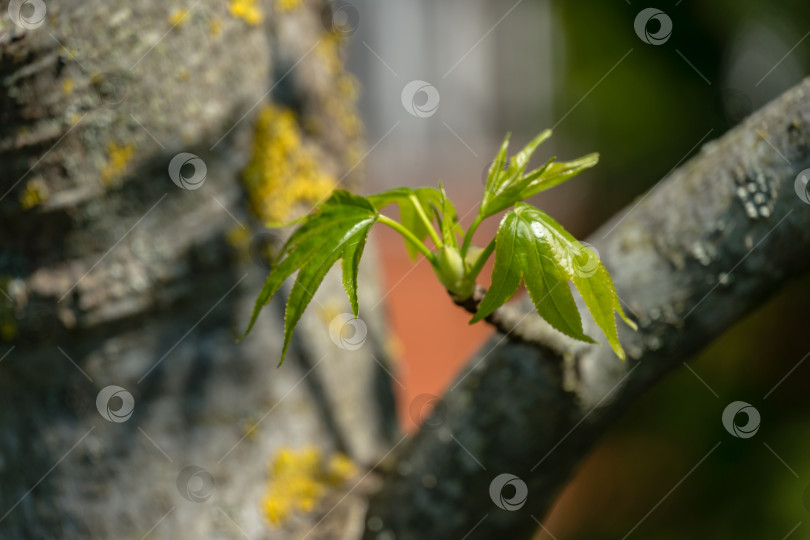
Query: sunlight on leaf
point(530, 247)
point(338, 229)
point(507, 187)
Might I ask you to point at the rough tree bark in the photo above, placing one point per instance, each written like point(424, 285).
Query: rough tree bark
point(110, 274)
point(700, 251)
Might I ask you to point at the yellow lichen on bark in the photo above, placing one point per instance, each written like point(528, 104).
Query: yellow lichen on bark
point(247, 10)
point(178, 17)
point(284, 6)
point(283, 172)
point(34, 194)
point(299, 478)
point(118, 157)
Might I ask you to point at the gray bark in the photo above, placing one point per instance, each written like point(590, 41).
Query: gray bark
point(699, 252)
point(125, 279)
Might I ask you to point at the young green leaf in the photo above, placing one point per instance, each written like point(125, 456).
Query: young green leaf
point(529, 247)
point(507, 270)
point(384, 198)
point(447, 218)
point(338, 202)
point(520, 253)
point(587, 272)
point(507, 187)
point(503, 185)
point(311, 275)
point(414, 207)
point(337, 230)
point(350, 264)
point(549, 257)
point(496, 168)
point(548, 286)
point(555, 173)
point(520, 161)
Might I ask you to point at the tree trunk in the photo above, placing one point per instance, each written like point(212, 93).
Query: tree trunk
point(111, 274)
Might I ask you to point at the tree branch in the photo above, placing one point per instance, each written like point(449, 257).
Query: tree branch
point(518, 324)
point(699, 252)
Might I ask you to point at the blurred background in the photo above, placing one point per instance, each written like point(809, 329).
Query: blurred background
point(582, 69)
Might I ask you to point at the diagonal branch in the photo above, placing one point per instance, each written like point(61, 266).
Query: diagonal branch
point(517, 324)
point(707, 246)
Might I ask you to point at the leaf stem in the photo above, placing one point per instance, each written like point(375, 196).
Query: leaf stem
point(468, 237)
point(482, 259)
point(409, 236)
point(421, 211)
